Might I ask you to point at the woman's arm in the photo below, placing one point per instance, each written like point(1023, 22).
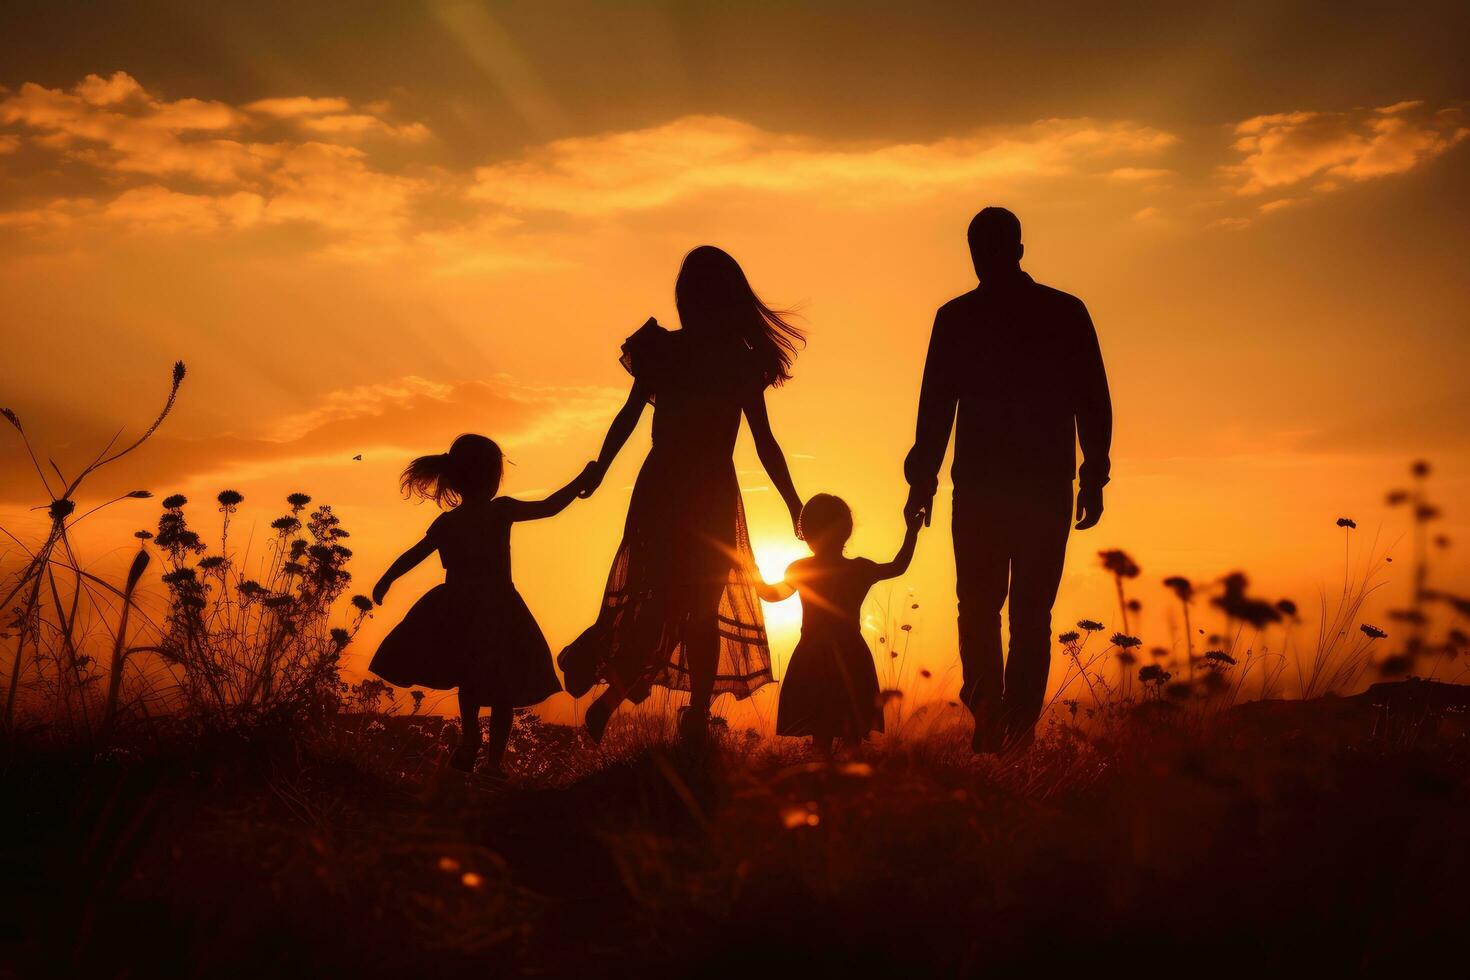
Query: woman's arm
point(900, 563)
point(771, 456)
point(535, 510)
point(622, 427)
point(406, 562)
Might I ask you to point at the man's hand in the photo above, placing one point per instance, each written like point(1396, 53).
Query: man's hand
point(380, 591)
point(1089, 507)
point(918, 504)
point(590, 479)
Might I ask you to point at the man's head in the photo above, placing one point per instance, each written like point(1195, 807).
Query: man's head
point(995, 243)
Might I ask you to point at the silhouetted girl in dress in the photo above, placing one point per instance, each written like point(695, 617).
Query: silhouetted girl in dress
point(831, 687)
point(473, 632)
point(680, 608)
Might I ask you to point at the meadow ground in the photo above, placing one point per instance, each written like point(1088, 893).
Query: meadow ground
point(1327, 834)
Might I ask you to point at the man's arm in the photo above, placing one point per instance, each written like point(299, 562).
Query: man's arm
point(938, 397)
point(1094, 423)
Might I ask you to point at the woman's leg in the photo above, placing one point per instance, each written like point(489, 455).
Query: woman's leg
point(469, 727)
point(502, 716)
point(702, 646)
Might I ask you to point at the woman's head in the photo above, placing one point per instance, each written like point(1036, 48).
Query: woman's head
point(713, 295)
point(472, 468)
point(826, 523)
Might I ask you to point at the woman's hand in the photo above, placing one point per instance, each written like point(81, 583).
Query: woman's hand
point(795, 508)
point(381, 589)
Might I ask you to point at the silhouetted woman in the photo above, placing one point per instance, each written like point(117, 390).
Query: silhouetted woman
point(680, 609)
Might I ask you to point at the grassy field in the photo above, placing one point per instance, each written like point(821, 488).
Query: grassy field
point(1325, 834)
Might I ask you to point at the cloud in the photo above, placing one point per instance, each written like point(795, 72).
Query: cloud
point(404, 416)
point(296, 106)
point(9, 143)
point(125, 133)
point(1331, 148)
point(658, 166)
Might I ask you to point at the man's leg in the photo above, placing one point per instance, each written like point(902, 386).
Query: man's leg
point(1041, 519)
point(982, 569)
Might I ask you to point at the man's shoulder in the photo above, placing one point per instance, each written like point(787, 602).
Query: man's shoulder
point(1056, 298)
point(960, 304)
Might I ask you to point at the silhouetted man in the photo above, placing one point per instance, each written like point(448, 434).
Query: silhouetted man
point(1019, 362)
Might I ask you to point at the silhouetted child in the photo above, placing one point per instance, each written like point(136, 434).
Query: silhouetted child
point(474, 632)
point(831, 687)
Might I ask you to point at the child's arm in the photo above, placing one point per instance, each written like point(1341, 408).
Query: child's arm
point(776, 591)
point(406, 562)
point(900, 563)
point(535, 510)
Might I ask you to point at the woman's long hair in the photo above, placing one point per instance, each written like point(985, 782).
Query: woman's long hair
point(473, 466)
point(712, 293)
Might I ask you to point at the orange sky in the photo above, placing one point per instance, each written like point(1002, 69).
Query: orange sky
point(366, 233)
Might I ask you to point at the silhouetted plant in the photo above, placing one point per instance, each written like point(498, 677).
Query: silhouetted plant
point(1120, 566)
point(50, 629)
point(262, 647)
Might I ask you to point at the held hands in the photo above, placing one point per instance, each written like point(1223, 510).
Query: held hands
point(589, 479)
point(795, 508)
point(1089, 507)
point(920, 506)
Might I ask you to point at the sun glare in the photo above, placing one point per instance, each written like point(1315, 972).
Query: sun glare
point(772, 555)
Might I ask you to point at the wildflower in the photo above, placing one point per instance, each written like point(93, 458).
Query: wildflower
point(362, 603)
point(1069, 637)
point(1372, 632)
point(1127, 659)
point(212, 562)
point(1420, 468)
point(179, 576)
point(61, 509)
point(1441, 540)
point(1158, 653)
point(250, 587)
point(1118, 563)
point(1237, 605)
point(1089, 625)
point(1219, 658)
point(1125, 642)
point(298, 501)
point(1181, 586)
point(1286, 607)
point(229, 500)
point(914, 606)
point(893, 654)
point(143, 535)
point(1396, 497)
point(1426, 512)
point(906, 628)
point(12, 418)
point(138, 494)
point(340, 637)
point(286, 525)
point(925, 673)
point(174, 501)
point(1347, 522)
point(1153, 674)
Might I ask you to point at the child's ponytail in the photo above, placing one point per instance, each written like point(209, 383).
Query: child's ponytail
point(473, 464)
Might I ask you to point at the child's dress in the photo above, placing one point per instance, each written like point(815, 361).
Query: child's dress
point(831, 687)
point(474, 631)
point(685, 551)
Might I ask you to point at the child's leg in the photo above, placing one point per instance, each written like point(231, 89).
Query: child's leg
point(469, 739)
point(502, 716)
